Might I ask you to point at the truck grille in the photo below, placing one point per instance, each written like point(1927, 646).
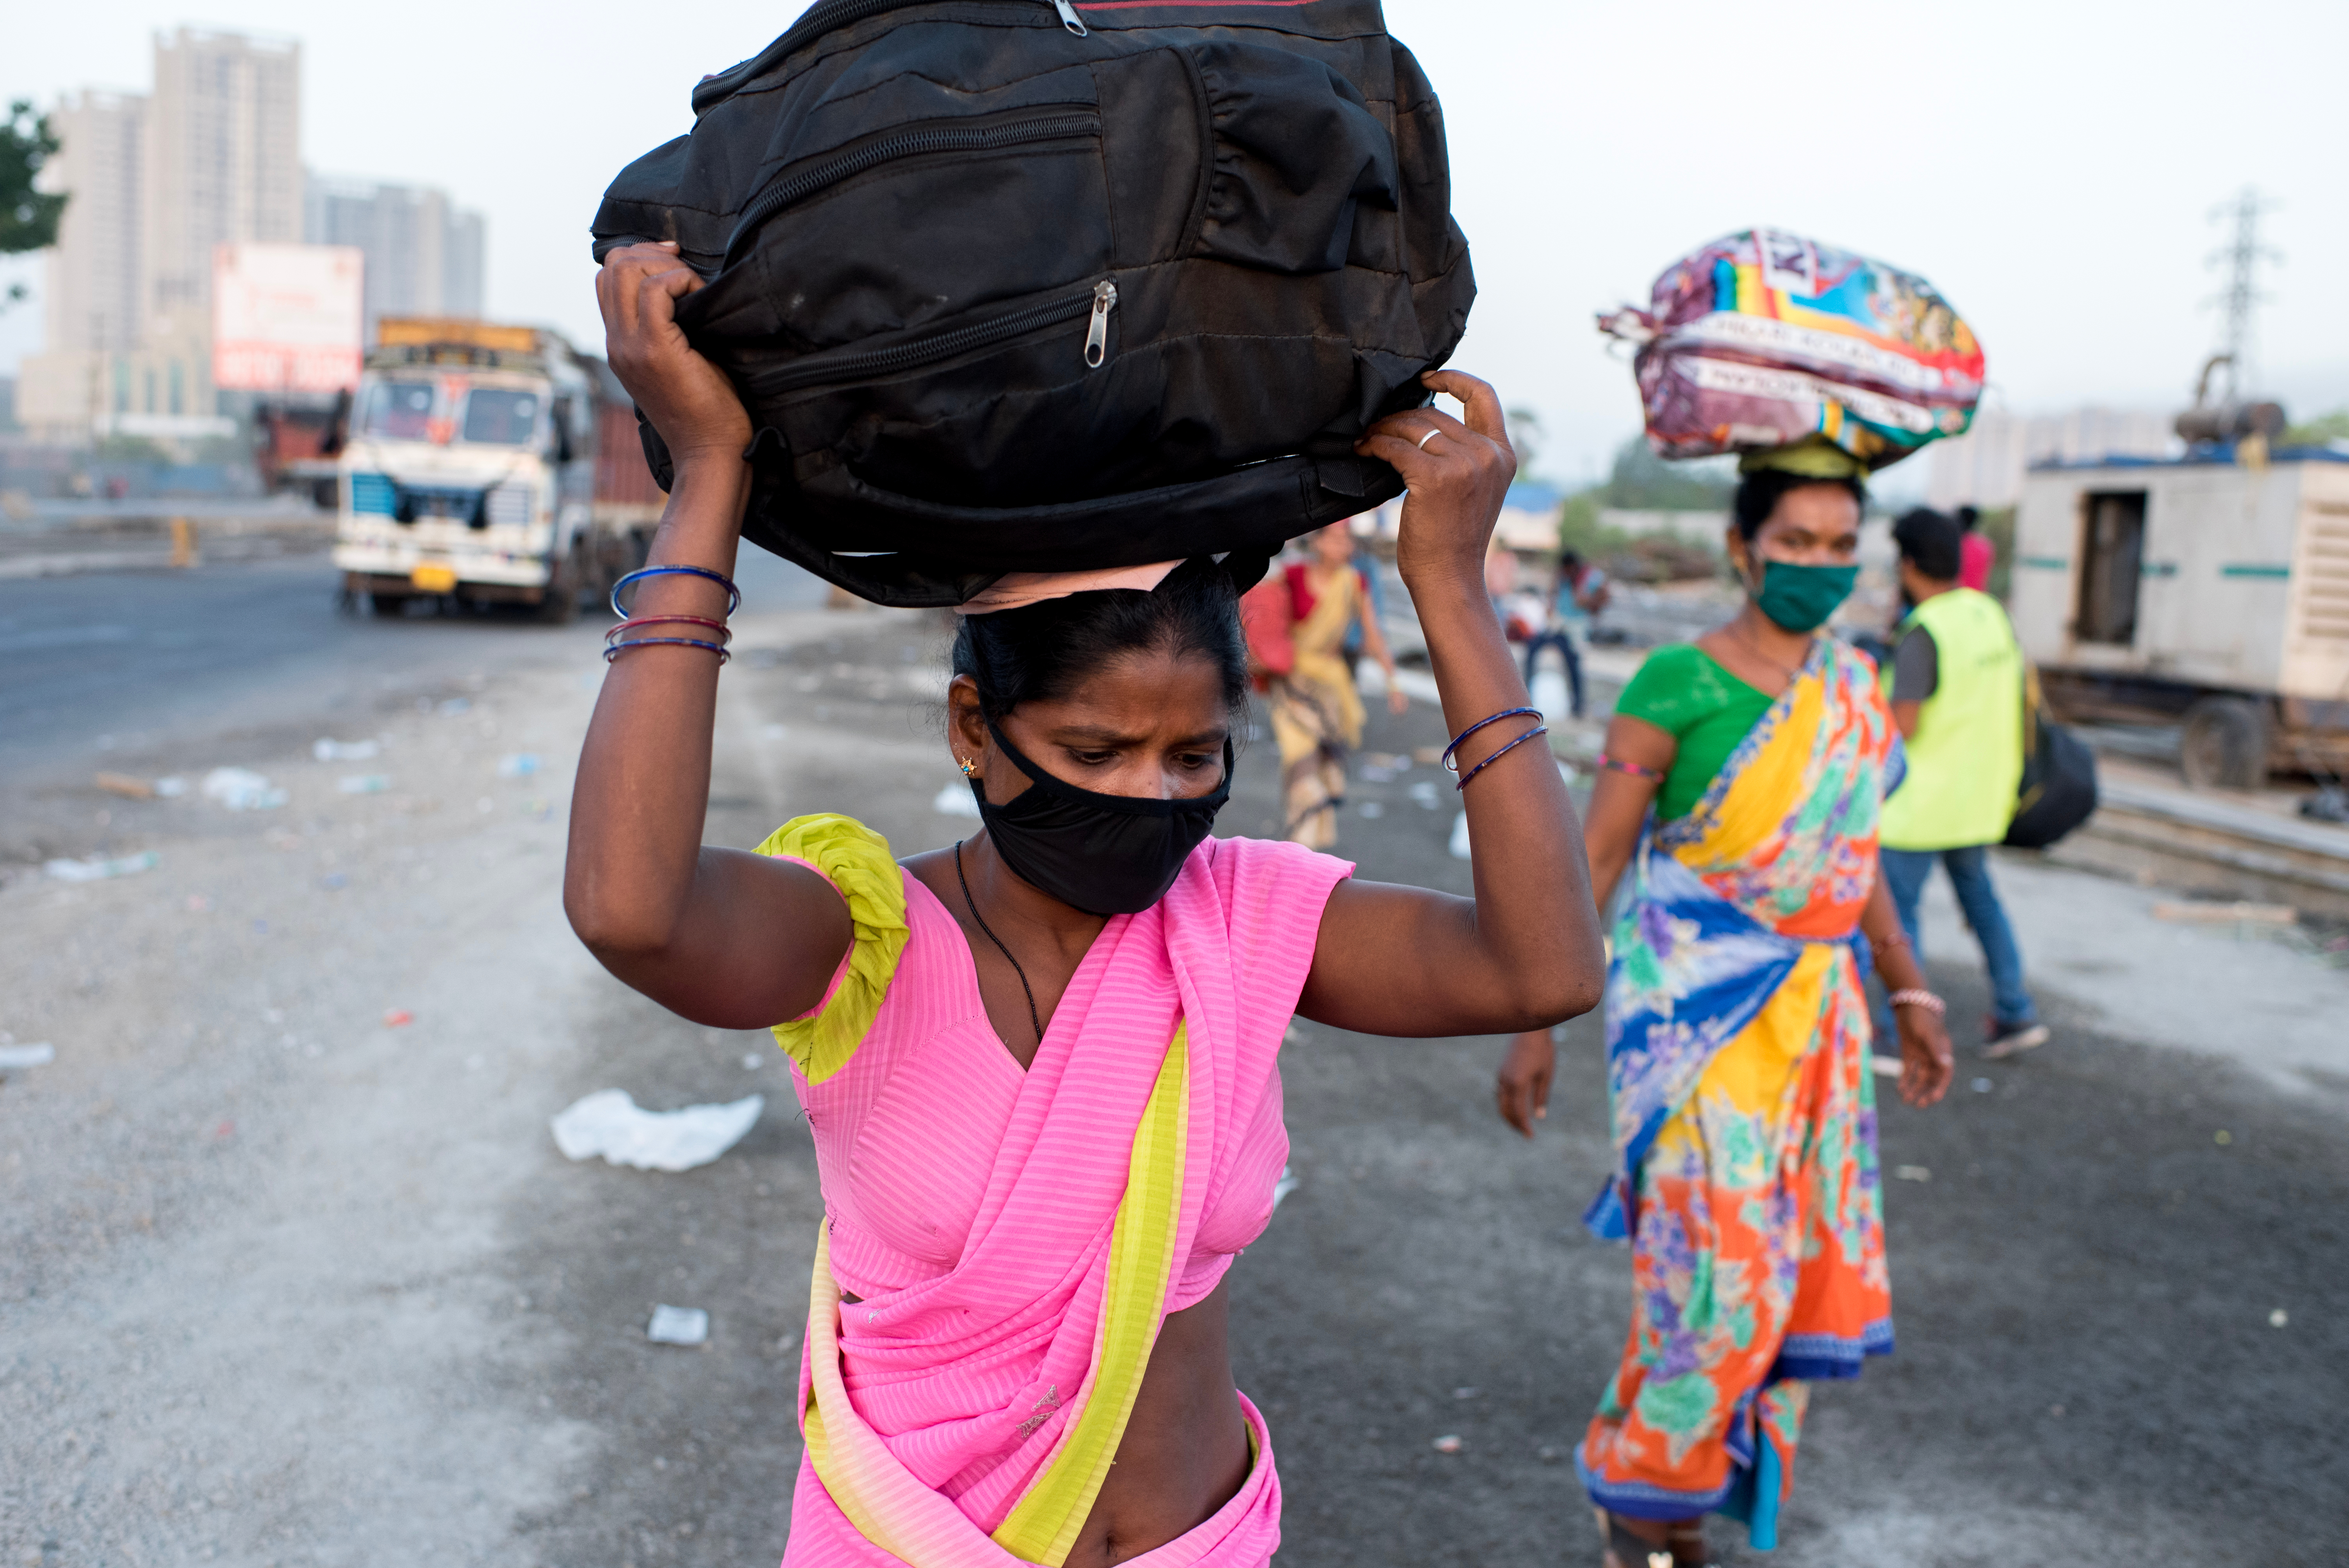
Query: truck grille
point(2324, 572)
point(512, 502)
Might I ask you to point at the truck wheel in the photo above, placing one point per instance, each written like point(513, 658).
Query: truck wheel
point(2223, 744)
point(389, 606)
point(560, 605)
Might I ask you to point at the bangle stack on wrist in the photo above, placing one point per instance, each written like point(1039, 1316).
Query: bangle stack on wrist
point(616, 644)
point(1918, 998)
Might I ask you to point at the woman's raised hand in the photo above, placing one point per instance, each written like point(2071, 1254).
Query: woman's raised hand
point(689, 400)
point(1458, 474)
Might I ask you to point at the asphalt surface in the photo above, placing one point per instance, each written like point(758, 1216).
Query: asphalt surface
point(282, 1282)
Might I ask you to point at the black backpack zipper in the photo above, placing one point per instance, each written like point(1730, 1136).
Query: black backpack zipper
point(1052, 127)
point(1095, 302)
point(827, 17)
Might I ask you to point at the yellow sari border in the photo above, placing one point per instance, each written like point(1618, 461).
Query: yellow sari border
point(1043, 1527)
point(907, 1519)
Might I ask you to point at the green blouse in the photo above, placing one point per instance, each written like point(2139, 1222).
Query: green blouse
point(1683, 691)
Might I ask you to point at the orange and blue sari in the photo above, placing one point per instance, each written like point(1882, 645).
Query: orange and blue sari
point(1744, 1111)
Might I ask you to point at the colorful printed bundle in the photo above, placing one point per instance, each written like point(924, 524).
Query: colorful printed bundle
point(1766, 340)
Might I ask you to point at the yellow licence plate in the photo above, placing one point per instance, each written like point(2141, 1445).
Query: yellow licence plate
point(433, 579)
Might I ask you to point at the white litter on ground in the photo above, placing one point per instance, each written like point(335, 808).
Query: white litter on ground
point(1283, 1187)
point(678, 1325)
point(610, 1123)
point(955, 800)
point(1460, 838)
point(520, 765)
point(99, 869)
point(41, 1054)
point(363, 784)
point(241, 789)
point(326, 750)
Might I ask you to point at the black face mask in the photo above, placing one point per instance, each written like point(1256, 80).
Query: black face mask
point(1104, 854)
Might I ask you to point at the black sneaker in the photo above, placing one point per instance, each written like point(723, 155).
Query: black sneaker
point(2013, 1039)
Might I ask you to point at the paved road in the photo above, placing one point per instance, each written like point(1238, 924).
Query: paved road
point(129, 662)
point(281, 1283)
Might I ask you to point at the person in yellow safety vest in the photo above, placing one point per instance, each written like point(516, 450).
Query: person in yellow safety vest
point(1956, 684)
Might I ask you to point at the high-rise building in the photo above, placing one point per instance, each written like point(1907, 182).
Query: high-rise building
point(95, 297)
point(212, 155)
point(224, 160)
point(423, 252)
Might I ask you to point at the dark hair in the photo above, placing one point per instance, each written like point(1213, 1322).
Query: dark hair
point(1969, 518)
point(1569, 559)
point(1041, 651)
point(1929, 541)
point(1759, 492)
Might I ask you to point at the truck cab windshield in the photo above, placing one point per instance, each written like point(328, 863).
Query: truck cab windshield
point(398, 411)
point(500, 418)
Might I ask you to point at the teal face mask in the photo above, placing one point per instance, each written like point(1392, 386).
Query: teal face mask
point(1801, 598)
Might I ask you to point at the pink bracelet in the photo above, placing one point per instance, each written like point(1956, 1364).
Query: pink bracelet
point(1629, 770)
point(1925, 999)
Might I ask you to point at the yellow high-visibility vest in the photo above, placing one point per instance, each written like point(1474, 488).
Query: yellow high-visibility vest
point(1965, 761)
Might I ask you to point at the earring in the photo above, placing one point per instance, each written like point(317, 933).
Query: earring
point(967, 764)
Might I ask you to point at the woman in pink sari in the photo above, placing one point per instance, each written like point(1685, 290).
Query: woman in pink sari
point(1042, 1067)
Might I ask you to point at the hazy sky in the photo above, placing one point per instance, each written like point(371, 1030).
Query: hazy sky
point(2051, 166)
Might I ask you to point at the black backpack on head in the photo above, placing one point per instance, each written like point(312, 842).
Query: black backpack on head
point(1019, 285)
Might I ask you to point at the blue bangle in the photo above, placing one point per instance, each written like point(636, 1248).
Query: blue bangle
point(617, 649)
point(1520, 740)
point(733, 595)
point(1506, 713)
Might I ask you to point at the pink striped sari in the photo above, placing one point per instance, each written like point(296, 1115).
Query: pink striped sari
point(968, 1420)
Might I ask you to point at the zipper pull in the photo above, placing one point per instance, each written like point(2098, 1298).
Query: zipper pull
point(1068, 17)
point(1097, 335)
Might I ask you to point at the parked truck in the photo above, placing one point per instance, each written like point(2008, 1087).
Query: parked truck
point(2210, 592)
point(489, 464)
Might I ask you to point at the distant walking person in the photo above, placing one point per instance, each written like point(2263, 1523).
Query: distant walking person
point(1581, 593)
point(1976, 553)
point(1317, 713)
point(1738, 799)
point(1957, 694)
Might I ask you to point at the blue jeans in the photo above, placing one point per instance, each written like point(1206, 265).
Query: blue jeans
point(1906, 871)
point(1565, 646)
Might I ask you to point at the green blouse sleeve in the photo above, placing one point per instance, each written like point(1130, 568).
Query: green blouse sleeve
point(857, 860)
point(1672, 689)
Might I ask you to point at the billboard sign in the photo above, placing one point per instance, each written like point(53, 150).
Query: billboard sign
point(287, 318)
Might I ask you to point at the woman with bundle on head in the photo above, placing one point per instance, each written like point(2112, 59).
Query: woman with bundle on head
point(1041, 1067)
point(1740, 790)
point(1309, 685)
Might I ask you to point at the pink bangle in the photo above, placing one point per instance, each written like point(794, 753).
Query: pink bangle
point(1631, 769)
point(1925, 999)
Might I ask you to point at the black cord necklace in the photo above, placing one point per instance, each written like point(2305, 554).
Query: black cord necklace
point(973, 903)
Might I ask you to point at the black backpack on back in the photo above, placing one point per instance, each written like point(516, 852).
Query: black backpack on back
point(1022, 285)
point(2058, 790)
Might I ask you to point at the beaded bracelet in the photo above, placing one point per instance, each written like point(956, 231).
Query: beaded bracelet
point(617, 649)
point(1495, 719)
point(724, 632)
point(733, 595)
point(1631, 769)
point(1925, 999)
point(1504, 751)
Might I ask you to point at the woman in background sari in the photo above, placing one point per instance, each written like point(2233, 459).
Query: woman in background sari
point(1316, 714)
point(1739, 1077)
